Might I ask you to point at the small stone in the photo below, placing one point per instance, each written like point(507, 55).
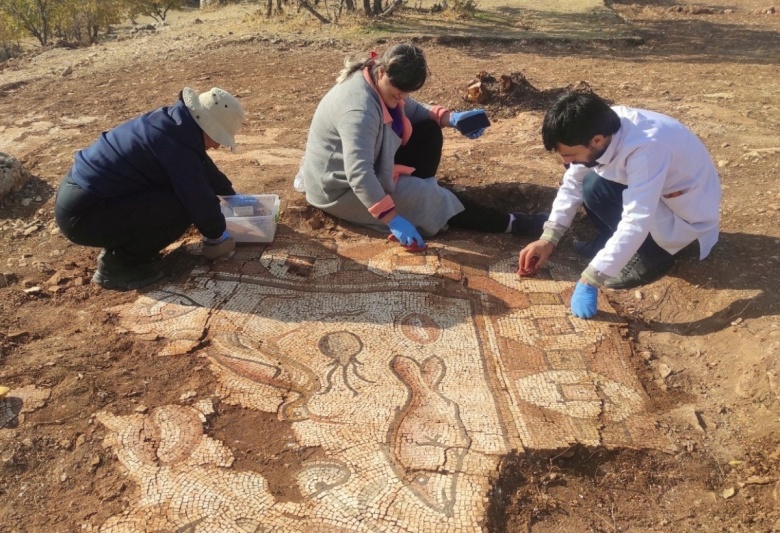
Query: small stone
point(729, 492)
point(141, 409)
point(664, 371)
point(723, 163)
point(758, 480)
point(638, 295)
point(35, 289)
point(188, 395)
point(646, 355)
point(205, 406)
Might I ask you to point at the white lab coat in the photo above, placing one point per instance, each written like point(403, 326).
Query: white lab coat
point(657, 158)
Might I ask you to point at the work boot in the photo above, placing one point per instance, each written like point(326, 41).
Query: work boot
point(112, 274)
point(525, 225)
point(642, 270)
point(589, 249)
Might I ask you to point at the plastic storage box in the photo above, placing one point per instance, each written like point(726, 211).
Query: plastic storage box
point(251, 217)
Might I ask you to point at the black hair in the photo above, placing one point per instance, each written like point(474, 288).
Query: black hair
point(576, 118)
point(404, 64)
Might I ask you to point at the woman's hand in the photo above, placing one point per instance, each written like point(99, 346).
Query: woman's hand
point(471, 123)
point(405, 232)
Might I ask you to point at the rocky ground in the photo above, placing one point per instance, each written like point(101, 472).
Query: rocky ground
point(705, 338)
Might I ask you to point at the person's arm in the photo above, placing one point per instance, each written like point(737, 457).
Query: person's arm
point(218, 181)
point(189, 178)
point(645, 171)
point(565, 205)
point(359, 132)
point(417, 112)
point(567, 201)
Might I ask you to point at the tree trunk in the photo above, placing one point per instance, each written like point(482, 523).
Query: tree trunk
point(307, 6)
point(392, 7)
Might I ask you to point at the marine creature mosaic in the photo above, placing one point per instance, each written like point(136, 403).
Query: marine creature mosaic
point(412, 373)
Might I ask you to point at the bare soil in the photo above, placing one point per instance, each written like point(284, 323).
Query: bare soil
point(705, 338)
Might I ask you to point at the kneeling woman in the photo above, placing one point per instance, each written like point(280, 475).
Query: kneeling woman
point(373, 152)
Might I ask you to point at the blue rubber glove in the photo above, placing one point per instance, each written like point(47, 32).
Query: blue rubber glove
point(218, 240)
point(584, 301)
point(405, 231)
point(457, 118)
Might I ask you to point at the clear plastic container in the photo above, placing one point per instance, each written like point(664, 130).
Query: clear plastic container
point(251, 217)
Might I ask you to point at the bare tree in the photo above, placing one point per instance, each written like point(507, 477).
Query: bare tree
point(35, 16)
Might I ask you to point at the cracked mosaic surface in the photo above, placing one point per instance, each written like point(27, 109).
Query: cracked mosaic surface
point(413, 373)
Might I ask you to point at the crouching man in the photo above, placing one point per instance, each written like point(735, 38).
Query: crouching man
point(647, 183)
point(141, 185)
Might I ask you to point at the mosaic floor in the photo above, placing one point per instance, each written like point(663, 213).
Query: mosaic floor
point(413, 373)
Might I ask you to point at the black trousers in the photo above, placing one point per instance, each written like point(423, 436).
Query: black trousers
point(134, 227)
point(423, 152)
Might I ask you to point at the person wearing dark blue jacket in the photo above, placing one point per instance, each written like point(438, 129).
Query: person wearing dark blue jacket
point(142, 184)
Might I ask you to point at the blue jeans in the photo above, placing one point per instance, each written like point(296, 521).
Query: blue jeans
point(603, 201)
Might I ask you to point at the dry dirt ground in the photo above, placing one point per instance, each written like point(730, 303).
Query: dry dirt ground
point(705, 338)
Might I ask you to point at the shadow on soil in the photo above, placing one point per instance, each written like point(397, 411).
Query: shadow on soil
point(739, 262)
point(23, 203)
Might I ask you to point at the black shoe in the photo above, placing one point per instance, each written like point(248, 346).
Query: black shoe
point(589, 249)
point(641, 271)
point(111, 274)
point(529, 225)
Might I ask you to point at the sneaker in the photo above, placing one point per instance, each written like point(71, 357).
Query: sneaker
point(641, 271)
point(114, 275)
point(589, 249)
point(525, 225)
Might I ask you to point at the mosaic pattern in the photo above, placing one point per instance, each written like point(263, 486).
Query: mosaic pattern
point(414, 373)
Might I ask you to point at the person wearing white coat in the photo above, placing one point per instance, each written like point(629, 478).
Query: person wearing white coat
point(647, 183)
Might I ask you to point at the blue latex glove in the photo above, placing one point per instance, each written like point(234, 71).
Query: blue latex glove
point(456, 118)
point(222, 238)
point(584, 301)
point(405, 231)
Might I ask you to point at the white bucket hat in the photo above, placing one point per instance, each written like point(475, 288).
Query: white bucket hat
point(217, 112)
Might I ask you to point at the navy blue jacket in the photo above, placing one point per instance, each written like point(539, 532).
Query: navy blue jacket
point(162, 150)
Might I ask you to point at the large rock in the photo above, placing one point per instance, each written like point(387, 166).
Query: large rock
point(13, 175)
